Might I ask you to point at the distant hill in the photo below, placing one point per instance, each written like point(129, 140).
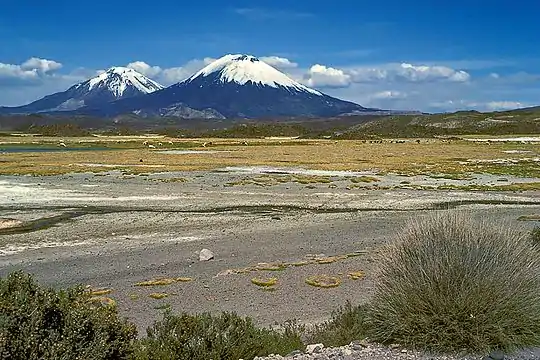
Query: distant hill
point(521, 121)
point(338, 127)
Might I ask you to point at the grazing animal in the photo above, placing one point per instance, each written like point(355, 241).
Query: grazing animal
point(170, 142)
point(145, 143)
point(160, 144)
point(62, 144)
point(244, 143)
point(151, 146)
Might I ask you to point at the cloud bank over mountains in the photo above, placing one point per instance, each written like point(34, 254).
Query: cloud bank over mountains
point(425, 86)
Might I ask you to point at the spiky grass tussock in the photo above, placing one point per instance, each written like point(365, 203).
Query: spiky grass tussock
point(452, 283)
point(535, 236)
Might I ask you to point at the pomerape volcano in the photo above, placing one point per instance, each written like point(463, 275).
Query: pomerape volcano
point(234, 86)
point(113, 84)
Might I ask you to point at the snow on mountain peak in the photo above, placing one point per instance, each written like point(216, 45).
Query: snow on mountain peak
point(118, 79)
point(241, 69)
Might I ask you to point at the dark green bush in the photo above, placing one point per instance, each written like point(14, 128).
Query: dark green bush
point(41, 323)
point(348, 323)
point(452, 283)
point(207, 336)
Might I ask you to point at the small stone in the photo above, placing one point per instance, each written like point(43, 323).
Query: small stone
point(359, 344)
point(496, 355)
point(6, 223)
point(206, 255)
point(294, 353)
point(314, 348)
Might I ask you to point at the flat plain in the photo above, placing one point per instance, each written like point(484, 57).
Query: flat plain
point(113, 213)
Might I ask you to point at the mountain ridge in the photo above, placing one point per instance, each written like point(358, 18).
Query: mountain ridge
point(113, 84)
point(235, 85)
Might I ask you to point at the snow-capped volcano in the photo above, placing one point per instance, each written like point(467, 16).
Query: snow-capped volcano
point(113, 84)
point(234, 86)
point(119, 80)
point(243, 69)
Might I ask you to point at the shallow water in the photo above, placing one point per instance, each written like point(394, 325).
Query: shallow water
point(39, 149)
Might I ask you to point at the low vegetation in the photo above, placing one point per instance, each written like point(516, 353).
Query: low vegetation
point(323, 281)
point(163, 281)
point(347, 323)
point(41, 323)
point(206, 336)
point(158, 296)
point(264, 282)
point(448, 284)
point(452, 283)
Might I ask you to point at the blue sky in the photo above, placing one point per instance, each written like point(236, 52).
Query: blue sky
point(425, 55)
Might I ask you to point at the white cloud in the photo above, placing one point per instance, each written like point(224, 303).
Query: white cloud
point(322, 76)
point(172, 75)
point(360, 75)
point(389, 94)
point(279, 62)
point(10, 71)
point(40, 65)
point(144, 68)
point(422, 86)
point(419, 73)
point(462, 104)
point(504, 105)
point(31, 72)
point(271, 14)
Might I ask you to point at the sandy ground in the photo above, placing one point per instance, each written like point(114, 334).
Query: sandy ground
point(113, 231)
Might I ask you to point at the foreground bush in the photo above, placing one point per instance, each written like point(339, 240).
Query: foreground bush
point(347, 323)
point(206, 336)
point(40, 323)
point(535, 236)
point(451, 283)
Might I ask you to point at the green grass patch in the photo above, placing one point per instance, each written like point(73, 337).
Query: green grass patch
point(364, 179)
point(323, 281)
point(158, 296)
point(163, 281)
point(356, 275)
point(264, 282)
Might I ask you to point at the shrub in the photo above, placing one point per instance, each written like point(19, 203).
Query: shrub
point(535, 236)
point(41, 323)
point(452, 283)
point(206, 336)
point(347, 323)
